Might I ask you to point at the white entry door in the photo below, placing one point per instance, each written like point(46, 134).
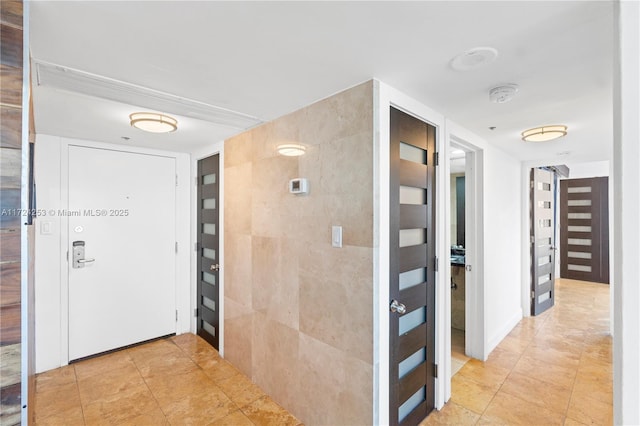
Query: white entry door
point(122, 213)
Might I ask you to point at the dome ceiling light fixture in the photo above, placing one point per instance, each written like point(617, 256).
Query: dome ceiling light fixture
point(473, 58)
point(153, 122)
point(544, 133)
point(291, 149)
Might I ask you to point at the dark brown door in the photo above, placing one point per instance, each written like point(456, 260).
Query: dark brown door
point(584, 229)
point(543, 254)
point(412, 274)
point(208, 251)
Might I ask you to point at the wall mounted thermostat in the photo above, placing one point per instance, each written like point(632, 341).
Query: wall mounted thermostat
point(298, 186)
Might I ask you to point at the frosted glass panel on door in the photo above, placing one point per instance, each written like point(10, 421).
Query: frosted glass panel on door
point(211, 304)
point(209, 179)
point(412, 237)
point(579, 268)
point(209, 253)
point(413, 153)
point(579, 228)
point(579, 215)
point(410, 404)
point(412, 320)
point(209, 203)
point(209, 228)
point(209, 328)
point(544, 296)
point(209, 278)
point(579, 241)
point(578, 189)
point(411, 278)
point(577, 203)
point(412, 362)
point(411, 195)
point(579, 255)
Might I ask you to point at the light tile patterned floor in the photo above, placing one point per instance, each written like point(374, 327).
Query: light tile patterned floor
point(175, 381)
point(552, 369)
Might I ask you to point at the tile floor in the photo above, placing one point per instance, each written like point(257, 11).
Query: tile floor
point(552, 369)
point(174, 381)
point(458, 358)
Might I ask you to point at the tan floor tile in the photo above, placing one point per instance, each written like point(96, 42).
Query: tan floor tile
point(169, 388)
point(541, 370)
point(514, 344)
point(492, 375)
point(267, 413)
point(109, 383)
point(553, 396)
point(199, 407)
point(240, 390)
point(571, 422)
point(156, 348)
point(505, 409)
point(54, 378)
point(100, 365)
point(451, 414)
point(219, 369)
point(470, 394)
point(70, 417)
point(154, 417)
point(590, 411)
point(503, 358)
point(61, 400)
point(236, 418)
point(170, 364)
point(126, 405)
point(593, 387)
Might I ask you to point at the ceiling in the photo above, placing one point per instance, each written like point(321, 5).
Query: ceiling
point(265, 59)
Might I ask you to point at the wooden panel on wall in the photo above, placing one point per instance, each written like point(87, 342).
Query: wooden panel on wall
point(10, 132)
point(10, 325)
point(11, 54)
point(10, 245)
point(10, 85)
point(11, 12)
point(10, 288)
point(9, 206)
point(10, 168)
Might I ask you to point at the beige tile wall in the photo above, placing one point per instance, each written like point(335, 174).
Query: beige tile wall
point(298, 313)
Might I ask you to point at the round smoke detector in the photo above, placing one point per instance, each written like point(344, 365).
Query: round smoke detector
point(502, 94)
point(474, 58)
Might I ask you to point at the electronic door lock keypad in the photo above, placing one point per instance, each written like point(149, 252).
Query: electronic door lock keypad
point(78, 255)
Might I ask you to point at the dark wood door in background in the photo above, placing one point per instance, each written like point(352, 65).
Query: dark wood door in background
point(584, 229)
point(208, 317)
point(411, 270)
point(543, 257)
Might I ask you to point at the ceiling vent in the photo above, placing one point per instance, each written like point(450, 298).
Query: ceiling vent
point(72, 80)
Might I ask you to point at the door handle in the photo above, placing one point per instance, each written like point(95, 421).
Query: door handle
point(215, 267)
point(78, 255)
point(397, 307)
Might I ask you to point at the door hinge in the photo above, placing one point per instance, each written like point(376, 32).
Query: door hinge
point(196, 246)
point(176, 315)
point(176, 246)
point(195, 312)
point(436, 158)
point(533, 239)
point(67, 255)
point(531, 184)
point(533, 294)
point(435, 371)
point(435, 264)
point(176, 180)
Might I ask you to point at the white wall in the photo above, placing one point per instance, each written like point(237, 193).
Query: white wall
point(626, 176)
point(51, 339)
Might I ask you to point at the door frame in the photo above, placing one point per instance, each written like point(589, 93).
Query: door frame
point(52, 320)
point(384, 98)
point(213, 149)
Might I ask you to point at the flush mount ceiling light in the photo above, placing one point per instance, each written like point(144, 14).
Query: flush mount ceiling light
point(291, 149)
point(474, 58)
point(544, 133)
point(153, 122)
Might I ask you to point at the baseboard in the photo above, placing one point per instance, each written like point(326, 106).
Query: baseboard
point(504, 331)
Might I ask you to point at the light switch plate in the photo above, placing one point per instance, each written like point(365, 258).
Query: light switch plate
point(336, 236)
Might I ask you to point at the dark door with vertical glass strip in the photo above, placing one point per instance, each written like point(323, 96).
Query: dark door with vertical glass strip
point(208, 252)
point(543, 257)
point(411, 267)
point(584, 229)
